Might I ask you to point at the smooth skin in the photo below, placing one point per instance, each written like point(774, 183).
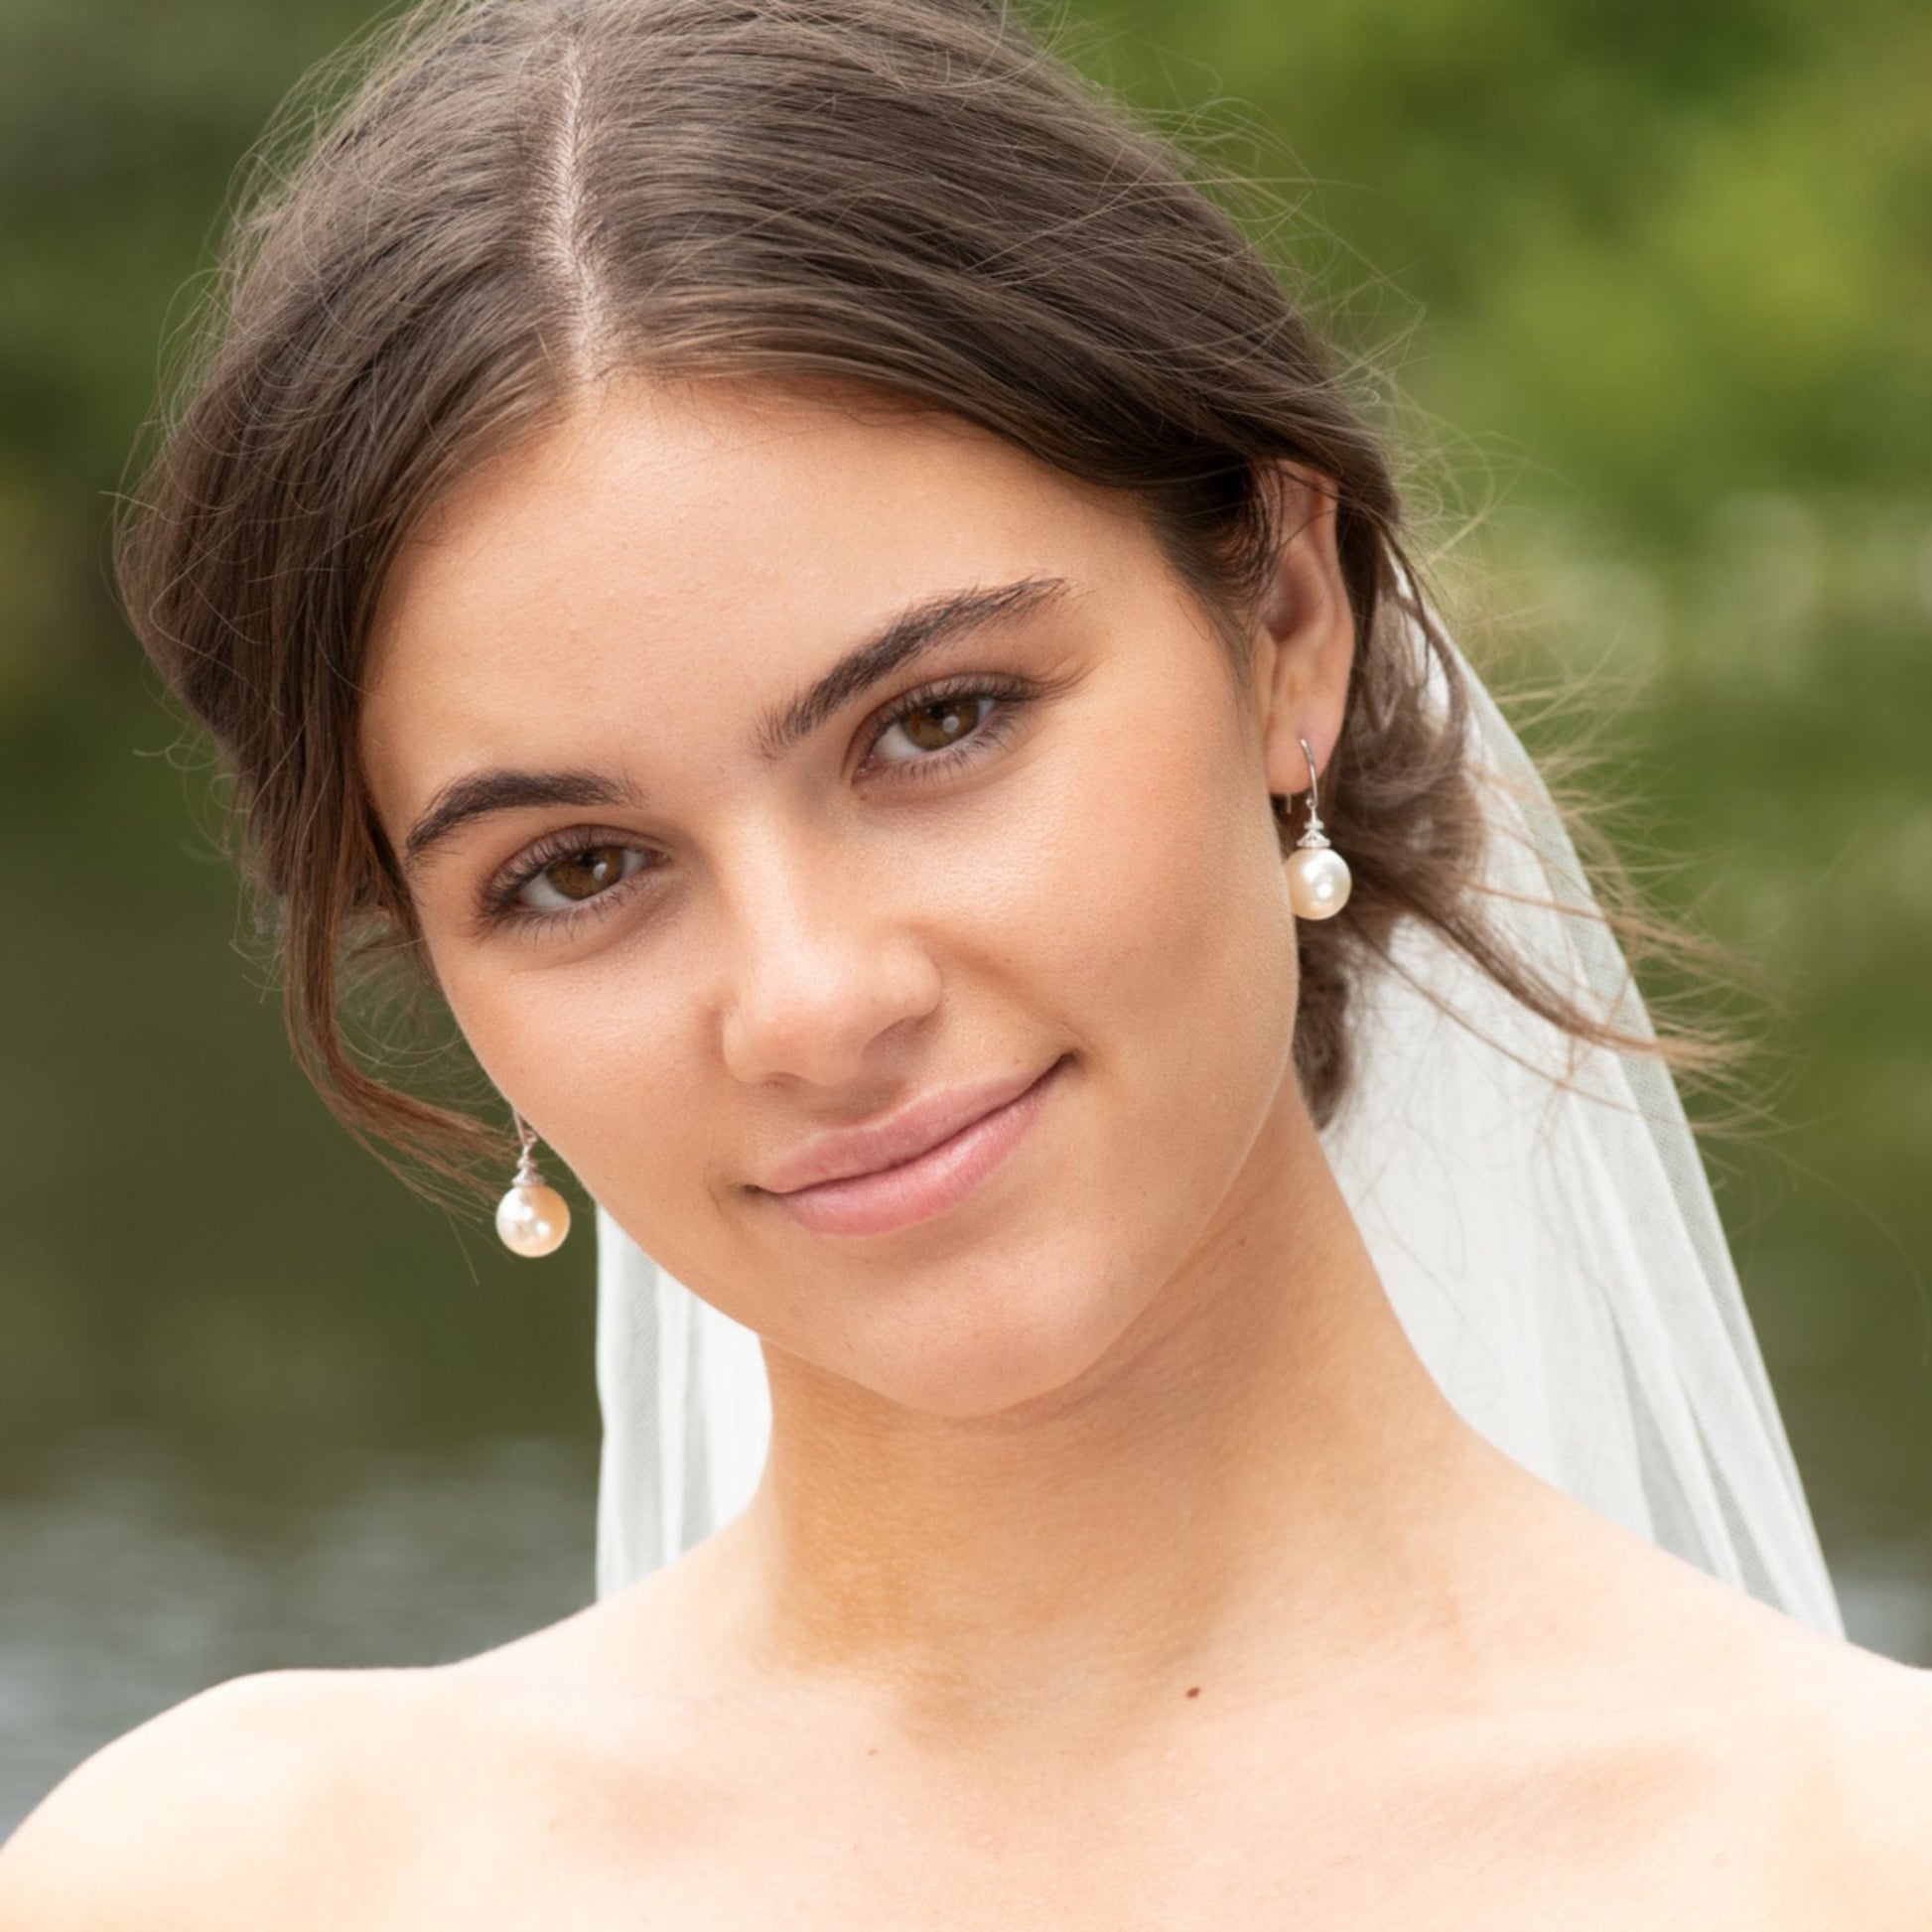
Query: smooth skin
point(1117, 1562)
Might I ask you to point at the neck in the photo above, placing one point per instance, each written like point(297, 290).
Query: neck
point(1259, 1475)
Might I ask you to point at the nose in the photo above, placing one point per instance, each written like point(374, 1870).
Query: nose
point(827, 961)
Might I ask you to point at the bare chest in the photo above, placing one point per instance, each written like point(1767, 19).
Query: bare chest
point(1323, 1832)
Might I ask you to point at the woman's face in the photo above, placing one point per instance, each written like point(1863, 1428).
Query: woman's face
point(688, 924)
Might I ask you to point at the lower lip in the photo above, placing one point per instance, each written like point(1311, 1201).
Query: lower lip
point(896, 1197)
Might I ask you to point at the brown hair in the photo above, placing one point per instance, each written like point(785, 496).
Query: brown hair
point(911, 196)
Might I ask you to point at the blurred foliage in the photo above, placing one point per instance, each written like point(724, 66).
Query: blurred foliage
point(1649, 284)
point(1670, 249)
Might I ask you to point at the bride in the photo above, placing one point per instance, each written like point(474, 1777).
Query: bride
point(1166, 1358)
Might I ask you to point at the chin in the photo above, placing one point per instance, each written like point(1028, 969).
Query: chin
point(1015, 1356)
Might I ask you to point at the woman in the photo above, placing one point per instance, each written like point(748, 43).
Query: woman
point(796, 572)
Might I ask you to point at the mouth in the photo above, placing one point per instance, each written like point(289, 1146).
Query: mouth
point(925, 1184)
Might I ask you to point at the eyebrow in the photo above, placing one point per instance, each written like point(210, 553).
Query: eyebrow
point(915, 632)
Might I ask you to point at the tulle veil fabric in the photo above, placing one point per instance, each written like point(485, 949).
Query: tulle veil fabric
point(1538, 1211)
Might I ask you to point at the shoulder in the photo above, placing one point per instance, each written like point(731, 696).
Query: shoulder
point(224, 1809)
point(1795, 1761)
point(1825, 1748)
point(1869, 1723)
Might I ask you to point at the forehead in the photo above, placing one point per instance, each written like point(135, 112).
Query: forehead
point(664, 537)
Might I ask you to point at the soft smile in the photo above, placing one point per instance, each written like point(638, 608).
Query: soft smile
point(926, 1184)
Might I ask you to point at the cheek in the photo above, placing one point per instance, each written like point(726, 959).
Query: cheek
point(1165, 920)
point(587, 1051)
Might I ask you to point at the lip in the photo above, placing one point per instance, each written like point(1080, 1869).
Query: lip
point(954, 1139)
point(914, 1129)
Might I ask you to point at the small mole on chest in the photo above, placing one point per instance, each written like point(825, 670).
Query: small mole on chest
point(1195, 1691)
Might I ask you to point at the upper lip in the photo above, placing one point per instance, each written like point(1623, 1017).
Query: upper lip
point(912, 1130)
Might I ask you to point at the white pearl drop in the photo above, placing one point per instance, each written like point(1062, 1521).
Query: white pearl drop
point(1317, 882)
point(533, 1219)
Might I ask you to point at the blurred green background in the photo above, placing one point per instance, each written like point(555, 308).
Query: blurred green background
point(1655, 281)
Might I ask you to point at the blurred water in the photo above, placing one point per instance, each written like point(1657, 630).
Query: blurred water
point(126, 1584)
point(127, 1588)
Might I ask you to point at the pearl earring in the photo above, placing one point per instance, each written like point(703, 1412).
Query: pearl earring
point(1318, 875)
point(532, 1218)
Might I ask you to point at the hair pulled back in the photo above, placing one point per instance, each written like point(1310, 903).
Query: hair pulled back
point(520, 197)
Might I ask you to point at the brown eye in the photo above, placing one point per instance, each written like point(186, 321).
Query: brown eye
point(939, 723)
point(582, 875)
point(948, 725)
point(574, 877)
point(935, 727)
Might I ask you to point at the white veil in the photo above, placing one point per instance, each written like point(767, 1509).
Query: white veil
point(1538, 1213)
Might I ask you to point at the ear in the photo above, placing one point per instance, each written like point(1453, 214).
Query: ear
point(1303, 642)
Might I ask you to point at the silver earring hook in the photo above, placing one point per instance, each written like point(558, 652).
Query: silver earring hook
point(1315, 834)
point(526, 1164)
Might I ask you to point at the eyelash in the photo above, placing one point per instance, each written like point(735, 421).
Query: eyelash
point(498, 905)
